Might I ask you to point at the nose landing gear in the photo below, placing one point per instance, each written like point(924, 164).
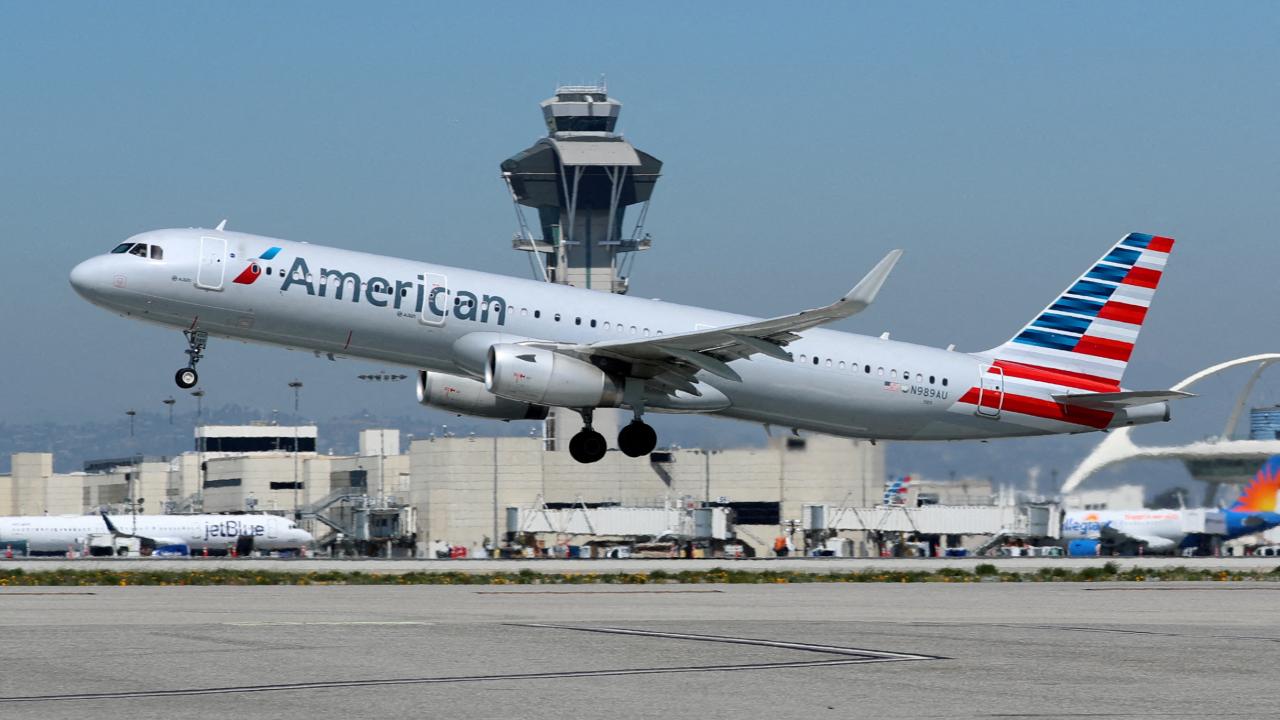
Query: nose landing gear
point(187, 377)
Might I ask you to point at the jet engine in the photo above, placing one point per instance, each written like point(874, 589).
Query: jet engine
point(468, 397)
point(545, 377)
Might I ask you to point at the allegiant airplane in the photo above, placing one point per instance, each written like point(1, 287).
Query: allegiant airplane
point(507, 348)
point(1165, 530)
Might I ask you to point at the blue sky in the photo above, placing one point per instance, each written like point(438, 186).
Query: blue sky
point(1004, 146)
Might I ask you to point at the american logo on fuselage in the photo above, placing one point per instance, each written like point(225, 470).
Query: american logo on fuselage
point(381, 292)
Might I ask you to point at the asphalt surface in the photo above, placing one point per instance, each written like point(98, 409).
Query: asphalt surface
point(983, 650)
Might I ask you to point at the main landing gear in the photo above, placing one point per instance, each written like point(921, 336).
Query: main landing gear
point(187, 377)
point(587, 446)
point(635, 440)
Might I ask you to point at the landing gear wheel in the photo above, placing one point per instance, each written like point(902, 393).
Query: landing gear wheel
point(588, 446)
point(186, 378)
point(637, 439)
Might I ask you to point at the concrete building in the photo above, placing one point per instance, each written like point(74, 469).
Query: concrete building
point(461, 487)
point(32, 488)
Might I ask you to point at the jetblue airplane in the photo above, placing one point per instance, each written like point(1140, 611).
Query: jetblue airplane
point(506, 348)
point(50, 533)
point(1164, 530)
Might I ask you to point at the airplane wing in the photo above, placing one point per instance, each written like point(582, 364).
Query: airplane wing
point(1117, 400)
point(672, 360)
point(1154, 543)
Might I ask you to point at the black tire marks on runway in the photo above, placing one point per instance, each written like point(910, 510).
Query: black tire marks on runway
point(839, 656)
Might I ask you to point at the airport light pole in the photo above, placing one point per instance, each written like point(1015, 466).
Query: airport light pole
point(131, 413)
point(198, 394)
point(296, 385)
point(169, 401)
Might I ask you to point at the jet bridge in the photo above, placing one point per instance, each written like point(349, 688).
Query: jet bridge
point(1039, 520)
point(671, 521)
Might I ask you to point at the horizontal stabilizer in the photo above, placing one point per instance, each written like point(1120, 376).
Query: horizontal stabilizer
point(1117, 400)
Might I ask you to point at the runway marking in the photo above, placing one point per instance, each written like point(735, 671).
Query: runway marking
point(363, 623)
point(845, 656)
point(594, 592)
point(1086, 628)
point(1207, 588)
point(19, 594)
point(865, 655)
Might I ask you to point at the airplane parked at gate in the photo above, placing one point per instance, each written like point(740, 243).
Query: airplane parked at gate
point(501, 347)
point(51, 533)
point(1165, 530)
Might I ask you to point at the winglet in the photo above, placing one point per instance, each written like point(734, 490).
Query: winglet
point(864, 293)
point(111, 527)
point(222, 225)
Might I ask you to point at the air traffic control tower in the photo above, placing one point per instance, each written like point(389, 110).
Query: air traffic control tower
point(581, 178)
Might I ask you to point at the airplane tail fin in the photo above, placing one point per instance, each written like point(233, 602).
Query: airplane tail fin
point(895, 493)
point(1260, 495)
point(1083, 339)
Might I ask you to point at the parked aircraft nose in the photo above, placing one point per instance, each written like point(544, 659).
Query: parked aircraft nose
point(91, 277)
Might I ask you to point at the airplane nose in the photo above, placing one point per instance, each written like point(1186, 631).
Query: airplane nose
point(89, 277)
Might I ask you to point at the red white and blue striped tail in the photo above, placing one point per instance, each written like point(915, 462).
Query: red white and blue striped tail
point(1083, 340)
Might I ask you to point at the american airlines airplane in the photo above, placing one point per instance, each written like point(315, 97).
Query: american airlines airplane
point(507, 348)
point(49, 533)
point(1165, 530)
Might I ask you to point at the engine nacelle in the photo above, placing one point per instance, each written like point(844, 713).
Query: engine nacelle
point(468, 397)
point(545, 377)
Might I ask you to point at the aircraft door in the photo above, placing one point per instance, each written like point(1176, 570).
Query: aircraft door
point(436, 302)
point(990, 391)
point(213, 265)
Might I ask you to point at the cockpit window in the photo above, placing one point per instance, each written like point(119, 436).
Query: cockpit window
point(157, 253)
point(122, 247)
point(140, 250)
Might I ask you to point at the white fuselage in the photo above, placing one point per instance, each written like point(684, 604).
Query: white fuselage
point(49, 533)
point(444, 319)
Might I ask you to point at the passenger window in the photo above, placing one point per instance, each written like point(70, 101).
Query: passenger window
point(803, 357)
point(880, 371)
point(524, 312)
point(919, 377)
point(815, 359)
point(867, 369)
point(931, 380)
point(577, 321)
point(944, 382)
point(646, 332)
point(606, 325)
point(557, 317)
point(121, 248)
point(829, 362)
point(157, 253)
point(537, 314)
point(841, 364)
point(593, 323)
point(633, 329)
point(140, 250)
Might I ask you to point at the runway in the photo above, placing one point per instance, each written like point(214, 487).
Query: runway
point(1110, 650)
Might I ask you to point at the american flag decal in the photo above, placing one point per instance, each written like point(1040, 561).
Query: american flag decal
point(892, 386)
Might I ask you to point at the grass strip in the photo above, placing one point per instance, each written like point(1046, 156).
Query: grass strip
point(1110, 572)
